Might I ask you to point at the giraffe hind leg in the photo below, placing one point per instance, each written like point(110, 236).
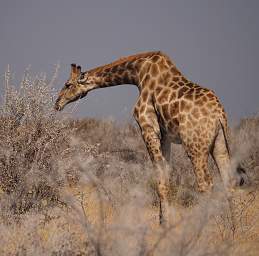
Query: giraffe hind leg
point(204, 179)
point(208, 177)
point(200, 164)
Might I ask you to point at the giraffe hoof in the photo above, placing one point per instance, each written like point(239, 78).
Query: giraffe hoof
point(163, 212)
point(163, 221)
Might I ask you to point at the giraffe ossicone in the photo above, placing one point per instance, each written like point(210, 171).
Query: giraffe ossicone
point(170, 108)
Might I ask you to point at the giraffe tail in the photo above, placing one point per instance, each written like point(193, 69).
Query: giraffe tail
point(224, 130)
point(243, 178)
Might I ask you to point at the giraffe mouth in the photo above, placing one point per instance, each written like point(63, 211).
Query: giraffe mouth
point(58, 106)
point(62, 102)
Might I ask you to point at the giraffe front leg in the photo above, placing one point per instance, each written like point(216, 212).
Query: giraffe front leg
point(146, 117)
point(153, 144)
point(163, 193)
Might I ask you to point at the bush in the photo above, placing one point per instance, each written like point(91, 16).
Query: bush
point(30, 138)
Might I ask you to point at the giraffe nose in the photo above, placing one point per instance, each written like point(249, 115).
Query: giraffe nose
point(57, 106)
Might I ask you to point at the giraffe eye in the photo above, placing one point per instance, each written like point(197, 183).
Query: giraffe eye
point(82, 76)
point(68, 85)
point(81, 79)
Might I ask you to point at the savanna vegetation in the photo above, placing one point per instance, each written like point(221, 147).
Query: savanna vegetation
point(86, 186)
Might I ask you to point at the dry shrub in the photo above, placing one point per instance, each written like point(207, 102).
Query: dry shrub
point(52, 232)
point(30, 138)
point(246, 147)
point(111, 137)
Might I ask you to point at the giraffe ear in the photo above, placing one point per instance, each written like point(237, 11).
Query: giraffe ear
point(78, 70)
point(73, 73)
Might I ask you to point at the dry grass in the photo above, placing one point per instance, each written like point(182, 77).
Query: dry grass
point(86, 187)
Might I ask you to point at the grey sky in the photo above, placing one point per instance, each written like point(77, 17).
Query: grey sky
point(214, 43)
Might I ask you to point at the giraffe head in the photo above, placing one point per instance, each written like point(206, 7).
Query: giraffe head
point(72, 90)
point(77, 86)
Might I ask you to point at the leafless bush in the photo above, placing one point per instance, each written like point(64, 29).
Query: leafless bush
point(30, 137)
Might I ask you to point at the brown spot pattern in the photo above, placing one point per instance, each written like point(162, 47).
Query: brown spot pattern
point(154, 70)
point(158, 90)
point(176, 78)
point(195, 113)
point(182, 91)
point(144, 95)
point(152, 84)
point(155, 58)
point(174, 108)
point(165, 110)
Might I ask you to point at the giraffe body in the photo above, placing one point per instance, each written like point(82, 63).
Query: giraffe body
point(170, 108)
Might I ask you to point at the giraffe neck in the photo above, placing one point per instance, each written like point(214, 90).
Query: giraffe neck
point(134, 70)
point(123, 73)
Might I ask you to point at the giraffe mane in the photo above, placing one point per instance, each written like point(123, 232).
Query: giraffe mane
point(125, 59)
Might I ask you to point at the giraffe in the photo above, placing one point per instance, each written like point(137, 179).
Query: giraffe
point(170, 109)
